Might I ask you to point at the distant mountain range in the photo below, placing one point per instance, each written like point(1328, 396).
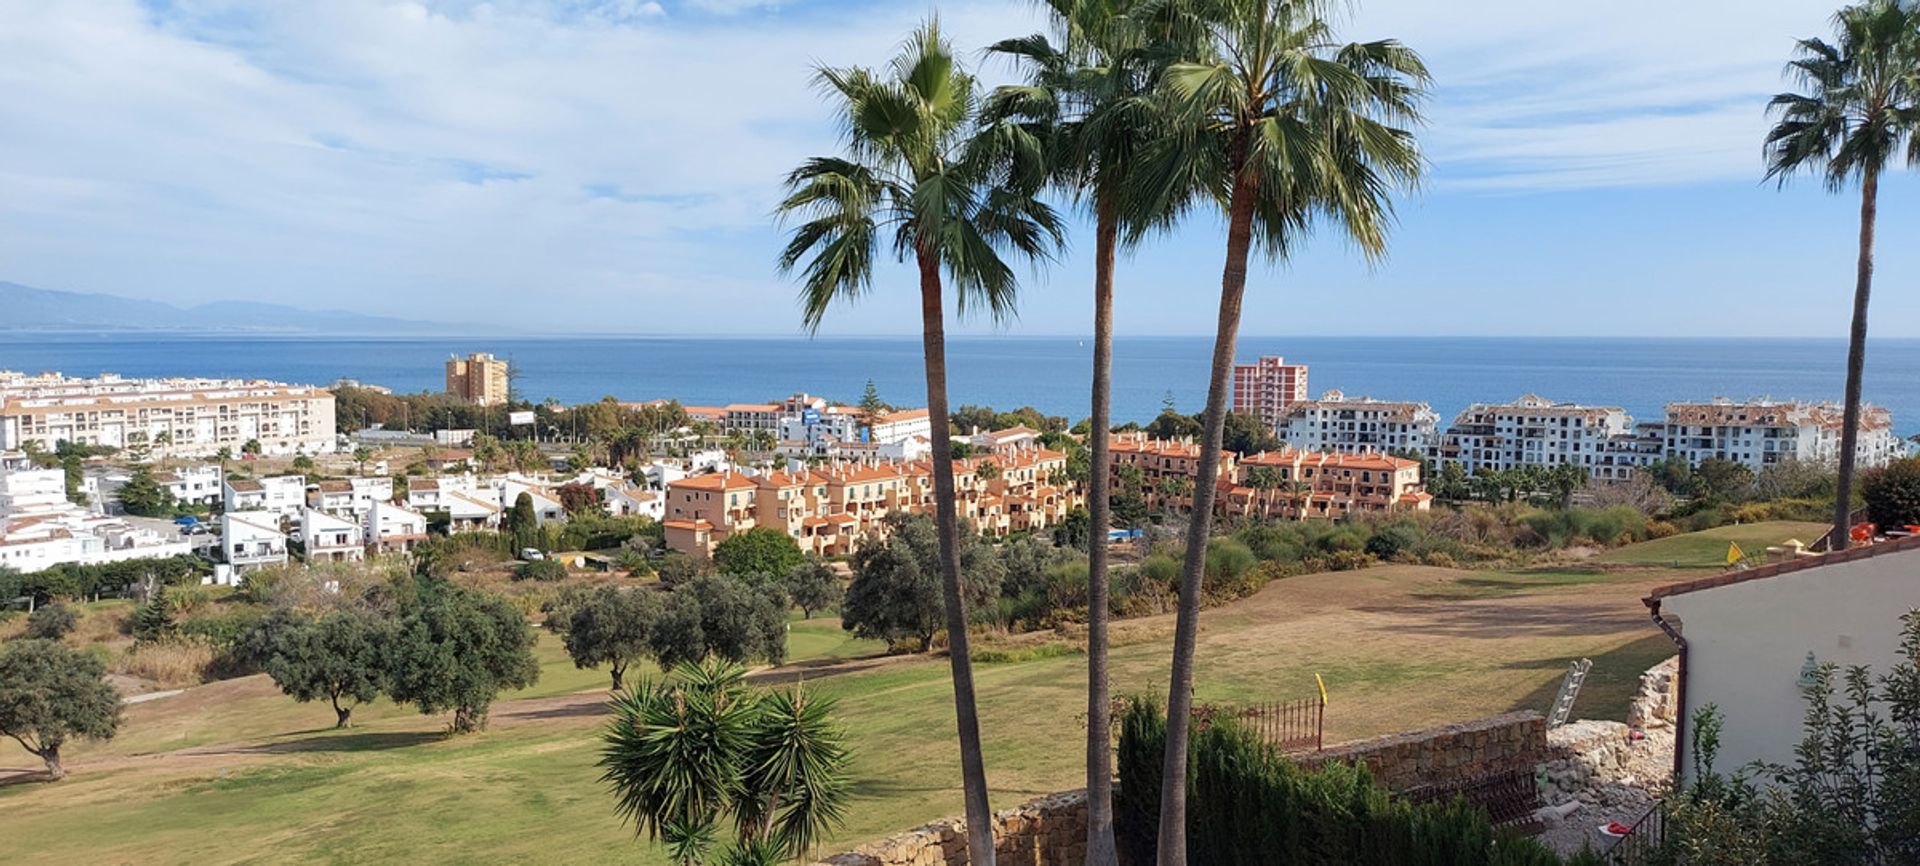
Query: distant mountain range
point(25, 308)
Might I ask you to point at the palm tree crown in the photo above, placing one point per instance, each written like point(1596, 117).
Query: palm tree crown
point(1860, 100)
point(916, 166)
point(1312, 127)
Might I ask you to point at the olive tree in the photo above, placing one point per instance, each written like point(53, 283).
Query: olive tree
point(341, 657)
point(457, 649)
point(611, 627)
point(51, 693)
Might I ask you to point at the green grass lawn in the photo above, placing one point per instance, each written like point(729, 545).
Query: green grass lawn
point(1708, 549)
point(269, 782)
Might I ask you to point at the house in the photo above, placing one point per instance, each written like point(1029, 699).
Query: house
point(328, 538)
point(468, 512)
point(391, 528)
point(1749, 639)
point(40, 529)
point(546, 503)
point(1010, 439)
point(252, 539)
point(625, 500)
point(194, 485)
point(284, 495)
point(1295, 485)
point(349, 497)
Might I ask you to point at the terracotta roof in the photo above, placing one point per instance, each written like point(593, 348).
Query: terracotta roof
point(335, 487)
point(246, 485)
point(1774, 569)
point(902, 415)
point(687, 524)
point(718, 481)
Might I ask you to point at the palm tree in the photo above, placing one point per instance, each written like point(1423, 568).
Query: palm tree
point(955, 198)
point(1283, 127)
point(1859, 106)
point(1090, 92)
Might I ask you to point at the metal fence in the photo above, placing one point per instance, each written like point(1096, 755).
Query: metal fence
point(1290, 726)
point(1646, 838)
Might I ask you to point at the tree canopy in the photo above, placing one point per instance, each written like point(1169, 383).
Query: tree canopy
point(51, 693)
point(762, 551)
point(611, 626)
point(341, 657)
point(457, 649)
point(895, 593)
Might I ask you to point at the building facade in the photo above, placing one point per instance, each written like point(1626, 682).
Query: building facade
point(1297, 485)
point(1338, 423)
point(479, 378)
point(1760, 433)
point(1534, 431)
point(178, 417)
point(1266, 387)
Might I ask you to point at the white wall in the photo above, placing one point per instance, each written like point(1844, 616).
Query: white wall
point(1747, 643)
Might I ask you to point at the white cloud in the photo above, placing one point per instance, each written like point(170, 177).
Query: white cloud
point(459, 160)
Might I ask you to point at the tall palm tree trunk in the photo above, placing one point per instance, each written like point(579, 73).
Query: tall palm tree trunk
point(973, 773)
point(1100, 845)
point(1233, 286)
point(1856, 361)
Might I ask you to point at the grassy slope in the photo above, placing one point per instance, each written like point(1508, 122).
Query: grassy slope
point(1399, 646)
point(1708, 549)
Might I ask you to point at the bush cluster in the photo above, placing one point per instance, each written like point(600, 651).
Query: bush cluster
point(1248, 804)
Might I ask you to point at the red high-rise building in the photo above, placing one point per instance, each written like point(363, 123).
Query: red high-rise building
point(1266, 387)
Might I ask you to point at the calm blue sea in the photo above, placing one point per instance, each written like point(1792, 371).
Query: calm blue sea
point(1047, 372)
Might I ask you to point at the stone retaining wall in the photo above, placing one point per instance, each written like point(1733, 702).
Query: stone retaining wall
point(1050, 831)
point(1445, 754)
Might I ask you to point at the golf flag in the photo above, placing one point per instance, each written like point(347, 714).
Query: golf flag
point(1733, 553)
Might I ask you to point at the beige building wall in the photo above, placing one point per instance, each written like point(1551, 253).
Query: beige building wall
point(480, 379)
point(1748, 640)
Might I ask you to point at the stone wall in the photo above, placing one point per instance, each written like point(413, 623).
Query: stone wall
point(1050, 831)
point(1446, 754)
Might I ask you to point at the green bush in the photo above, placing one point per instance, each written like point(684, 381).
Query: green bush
point(1893, 493)
point(51, 622)
point(1248, 804)
point(547, 570)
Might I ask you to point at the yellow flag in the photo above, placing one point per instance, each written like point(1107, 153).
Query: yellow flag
point(1733, 553)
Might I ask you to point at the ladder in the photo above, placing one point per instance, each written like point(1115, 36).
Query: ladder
point(1569, 692)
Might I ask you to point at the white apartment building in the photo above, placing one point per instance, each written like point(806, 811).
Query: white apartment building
point(40, 529)
point(1762, 432)
point(252, 539)
point(900, 426)
point(171, 417)
point(284, 495)
point(331, 539)
point(1533, 431)
point(812, 430)
point(1336, 423)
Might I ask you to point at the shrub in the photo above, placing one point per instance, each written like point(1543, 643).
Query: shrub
point(1248, 804)
point(1437, 559)
point(546, 570)
point(51, 622)
point(1892, 493)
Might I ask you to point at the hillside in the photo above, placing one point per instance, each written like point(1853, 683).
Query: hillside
point(35, 309)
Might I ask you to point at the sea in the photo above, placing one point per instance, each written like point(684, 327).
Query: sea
point(1051, 374)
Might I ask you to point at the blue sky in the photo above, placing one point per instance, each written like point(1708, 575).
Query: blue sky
point(576, 166)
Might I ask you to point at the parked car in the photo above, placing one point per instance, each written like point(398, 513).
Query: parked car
point(532, 554)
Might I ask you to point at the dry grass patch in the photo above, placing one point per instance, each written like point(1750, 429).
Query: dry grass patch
point(167, 664)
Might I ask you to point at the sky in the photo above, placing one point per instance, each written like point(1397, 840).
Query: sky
point(573, 166)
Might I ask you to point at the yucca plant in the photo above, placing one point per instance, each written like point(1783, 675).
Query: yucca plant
point(687, 755)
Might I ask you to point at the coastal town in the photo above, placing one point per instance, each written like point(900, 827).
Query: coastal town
point(831, 474)
point(988, 433)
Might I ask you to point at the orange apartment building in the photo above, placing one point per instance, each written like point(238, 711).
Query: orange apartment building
point(1296, 485)
point(1303, 483)
point(830, 509)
